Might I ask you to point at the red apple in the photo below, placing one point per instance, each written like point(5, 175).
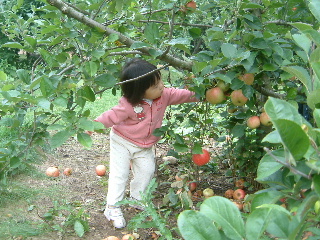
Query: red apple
point(67, 171)
point(52, 172)
point(237, 98)
point(248, 78)
point(239, 194)
point(253, 122)
point(201, 159)
point(191, 4)
point(192, 186)
point(265, 119)
point(215, 95)
point(208, 192)
point(229, 193)
point(101, 170)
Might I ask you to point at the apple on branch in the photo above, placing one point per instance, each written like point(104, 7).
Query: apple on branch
point(215, 95)
point(237, 98)
point(253, 122)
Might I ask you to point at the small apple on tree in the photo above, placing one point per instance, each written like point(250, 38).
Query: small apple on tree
point(248, 78)
point(215, 95)
point(265, 119)
point(224, 86)
point(201, 159)
point(253, 122)
point(237, 98)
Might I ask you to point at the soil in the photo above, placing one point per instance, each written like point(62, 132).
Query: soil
point(85, 189)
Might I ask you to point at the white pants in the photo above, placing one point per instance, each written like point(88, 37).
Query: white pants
point(142, 164)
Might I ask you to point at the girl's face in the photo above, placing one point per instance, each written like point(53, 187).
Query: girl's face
point(154, 91)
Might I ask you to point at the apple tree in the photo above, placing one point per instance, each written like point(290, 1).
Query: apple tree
point(78, 49)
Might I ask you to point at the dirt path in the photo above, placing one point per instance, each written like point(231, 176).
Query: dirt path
point(84, 187)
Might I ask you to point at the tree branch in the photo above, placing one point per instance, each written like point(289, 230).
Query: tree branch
point(71, 12)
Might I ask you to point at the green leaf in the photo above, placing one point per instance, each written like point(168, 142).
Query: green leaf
point(313, 99)
point(91, 68)
point(84, 139)
point(98, 53)
point(151, 32)
point(238, 130)
point(31, 41)
point(3, 76)
point(268, 165)
point(197, 149)
point(24, 76)
point(267, 197)
point(229, 50)
point(316, 115)
point(60, 137)
point(12, 45)
point(137, 45)
point(272, 137)
point(302, 74)
point(316, 68)
point(302, 41)
point(15, 162)
point(293, 137)
point(105, 80)
point(314, 6)
point(180, 147)
point(228, 217)
point(196, 225)
point(78, 228)
point(301, 26)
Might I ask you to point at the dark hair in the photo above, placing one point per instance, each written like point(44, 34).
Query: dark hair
point(135, 90)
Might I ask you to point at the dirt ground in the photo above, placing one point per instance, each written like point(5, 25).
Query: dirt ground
point(88, 190)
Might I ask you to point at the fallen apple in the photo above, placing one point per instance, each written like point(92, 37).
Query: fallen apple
point(240, 183)
point(52, 172)
point(128, 237)
point(67, 171)
point(229, 193)
point(208, 192)
point(239, 204)
point(239, 194)
point(192, 186)
point(111, 238)
point(101, 170)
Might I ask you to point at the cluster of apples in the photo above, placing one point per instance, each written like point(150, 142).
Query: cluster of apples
point(255, 121)
point(55, 172)
point(237, 196)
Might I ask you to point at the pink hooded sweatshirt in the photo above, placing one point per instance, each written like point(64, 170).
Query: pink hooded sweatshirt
point(136, 124)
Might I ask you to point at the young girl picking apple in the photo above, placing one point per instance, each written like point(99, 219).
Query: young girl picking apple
point(140, 111)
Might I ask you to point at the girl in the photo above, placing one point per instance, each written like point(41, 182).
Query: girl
point(139, 112)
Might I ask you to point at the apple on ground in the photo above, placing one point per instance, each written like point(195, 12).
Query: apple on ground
point(237, 98)
point(229, 193)
point(239, 204)
point(208, 192)
point(253, 122)
point(128, 237)
point(111, 238)
point(192, 186)
point(265, 119)
point(215, 95)
point(67, 171)
point(239, 194)
point(240, 183)
point(201, 159)
point(101, 170)
point(52, 172)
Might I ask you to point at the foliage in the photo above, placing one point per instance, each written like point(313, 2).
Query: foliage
point(65, 217)
point(150, 217)
point(79, 48)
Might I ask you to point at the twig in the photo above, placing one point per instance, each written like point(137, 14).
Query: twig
point(134, 79)
point(292, 169)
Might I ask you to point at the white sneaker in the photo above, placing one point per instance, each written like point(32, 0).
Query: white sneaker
point(115, 215)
